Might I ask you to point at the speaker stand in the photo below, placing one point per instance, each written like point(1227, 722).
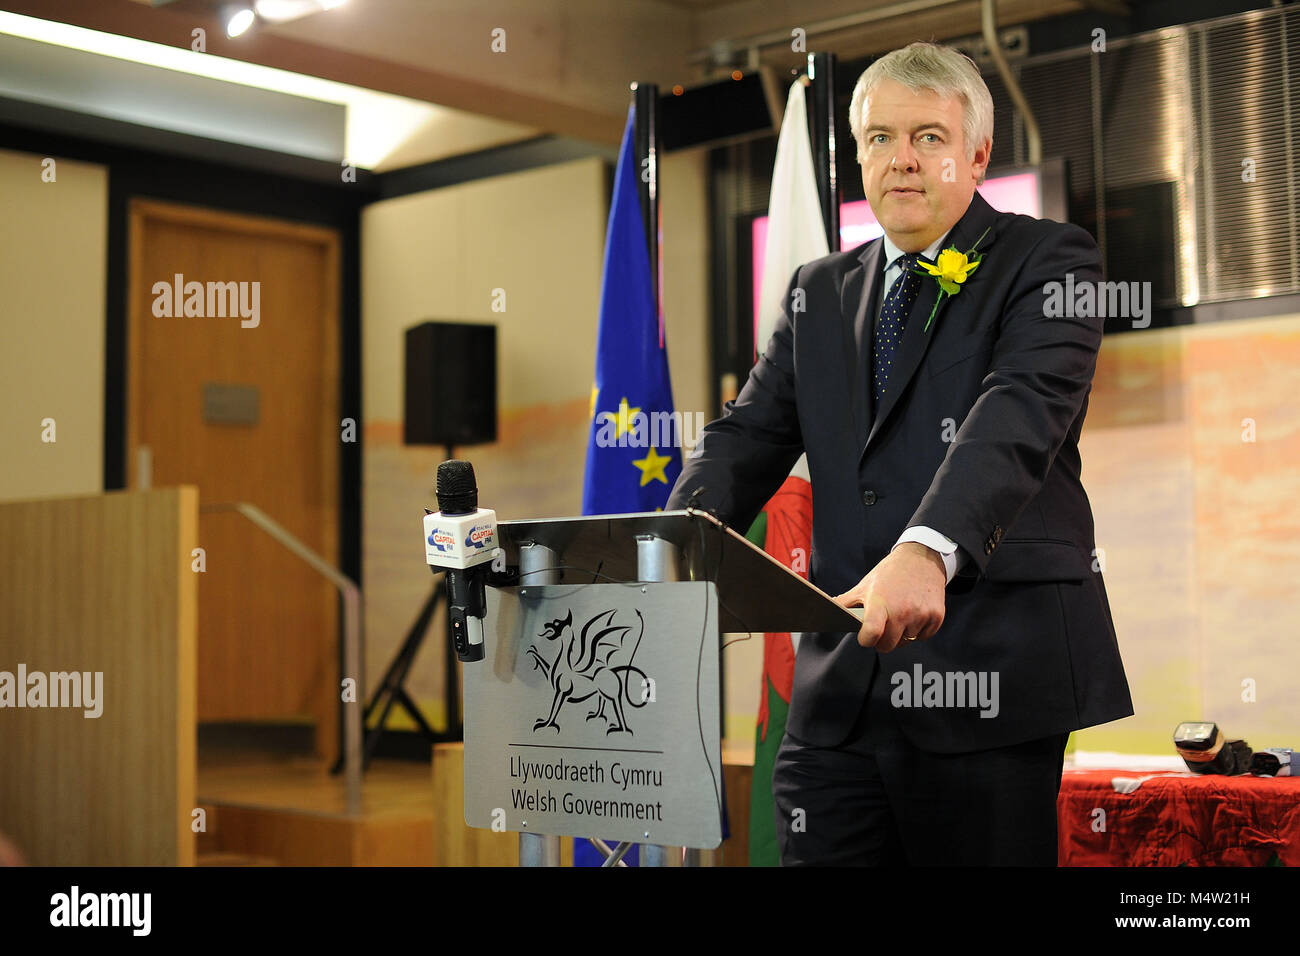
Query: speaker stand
point(392, 690)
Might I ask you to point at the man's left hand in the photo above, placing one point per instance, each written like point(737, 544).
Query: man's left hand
point(902, 595)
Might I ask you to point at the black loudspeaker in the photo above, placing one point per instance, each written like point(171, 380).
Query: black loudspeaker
point(451, 384)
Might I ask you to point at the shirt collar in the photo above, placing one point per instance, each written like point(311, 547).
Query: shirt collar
point(892, 251)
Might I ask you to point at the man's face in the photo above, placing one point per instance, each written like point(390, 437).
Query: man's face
point(914, 167)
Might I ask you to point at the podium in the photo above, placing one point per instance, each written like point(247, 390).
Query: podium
point(595, 711)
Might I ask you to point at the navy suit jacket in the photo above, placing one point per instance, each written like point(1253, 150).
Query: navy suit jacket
point(976, 437)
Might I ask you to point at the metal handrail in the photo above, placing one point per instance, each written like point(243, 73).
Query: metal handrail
point(352, 663)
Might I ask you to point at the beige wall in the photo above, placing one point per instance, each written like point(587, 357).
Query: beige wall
point(53, 243)
point(1198, 523)
point(440, 254)
point(539, 235)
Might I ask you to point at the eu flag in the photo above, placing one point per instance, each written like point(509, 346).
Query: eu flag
point(633, 452)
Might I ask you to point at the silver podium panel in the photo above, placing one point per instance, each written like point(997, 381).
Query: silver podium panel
point(594, 713)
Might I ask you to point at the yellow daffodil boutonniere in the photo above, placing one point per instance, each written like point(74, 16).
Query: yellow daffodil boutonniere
point(950, 269)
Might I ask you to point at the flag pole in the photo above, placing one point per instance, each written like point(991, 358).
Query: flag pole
point(646, 99)
point(821, 115)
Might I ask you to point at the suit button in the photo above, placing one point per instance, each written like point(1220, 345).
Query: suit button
point(988, 546)
point(868, 497)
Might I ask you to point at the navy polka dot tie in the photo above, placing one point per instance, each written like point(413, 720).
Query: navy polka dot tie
point(893, 316)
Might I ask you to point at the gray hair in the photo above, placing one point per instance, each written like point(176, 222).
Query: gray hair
point(926, 66)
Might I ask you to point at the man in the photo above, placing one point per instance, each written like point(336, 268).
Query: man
point(942, 447)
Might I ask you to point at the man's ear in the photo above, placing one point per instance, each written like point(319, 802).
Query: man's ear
point(980, 161)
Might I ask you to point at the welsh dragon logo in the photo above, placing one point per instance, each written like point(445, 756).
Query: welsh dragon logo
point(593, 662)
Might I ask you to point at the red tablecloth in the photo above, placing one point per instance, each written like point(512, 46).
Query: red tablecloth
point(1176, 819)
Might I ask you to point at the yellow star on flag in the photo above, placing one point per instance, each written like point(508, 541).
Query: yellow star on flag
point(652, 467)
point(622, 418)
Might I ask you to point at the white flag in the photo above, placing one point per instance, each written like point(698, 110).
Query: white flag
point(795, 231)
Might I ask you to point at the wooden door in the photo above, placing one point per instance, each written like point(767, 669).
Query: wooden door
point(233, 386)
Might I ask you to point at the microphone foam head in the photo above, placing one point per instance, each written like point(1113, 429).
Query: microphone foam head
point(457, 490)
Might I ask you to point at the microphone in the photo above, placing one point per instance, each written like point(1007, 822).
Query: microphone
point(460, 539)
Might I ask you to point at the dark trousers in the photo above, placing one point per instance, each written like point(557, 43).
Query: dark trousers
point(876, 800)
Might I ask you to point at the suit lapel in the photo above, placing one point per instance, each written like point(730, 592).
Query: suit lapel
point(857, 295)
point(978, 217)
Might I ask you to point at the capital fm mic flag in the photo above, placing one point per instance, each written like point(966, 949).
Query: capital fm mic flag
point(633, 453)
point(796, 234)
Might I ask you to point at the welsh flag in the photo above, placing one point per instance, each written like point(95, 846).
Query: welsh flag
point(782, 529)
point(795, 234)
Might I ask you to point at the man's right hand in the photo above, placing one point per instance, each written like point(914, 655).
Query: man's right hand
point(902, 597)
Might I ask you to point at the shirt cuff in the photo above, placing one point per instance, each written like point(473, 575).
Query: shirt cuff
point(940, 543)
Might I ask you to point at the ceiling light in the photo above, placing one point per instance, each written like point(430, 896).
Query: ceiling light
point(282, 11)
point(239, 22)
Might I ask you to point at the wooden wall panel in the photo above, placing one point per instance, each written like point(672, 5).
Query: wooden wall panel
point(101, 584)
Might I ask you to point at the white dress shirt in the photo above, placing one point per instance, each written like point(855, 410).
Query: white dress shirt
point(936, 541)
